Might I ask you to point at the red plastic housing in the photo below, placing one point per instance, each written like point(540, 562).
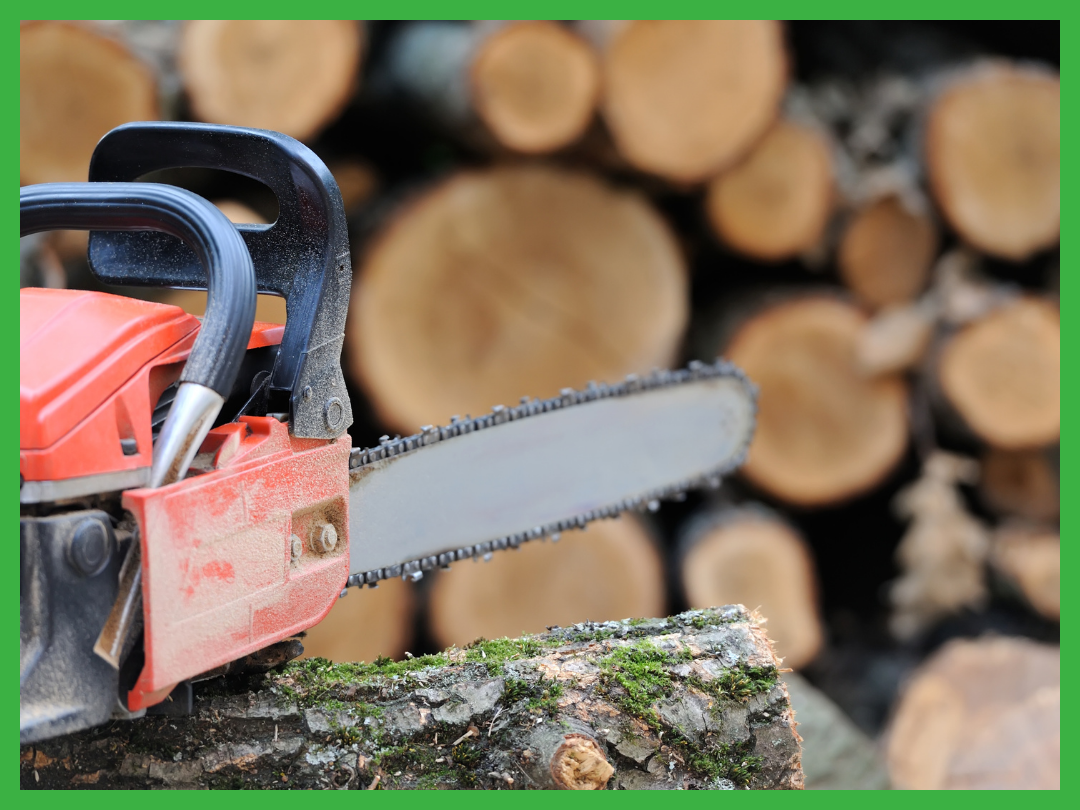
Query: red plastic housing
point(220, 578)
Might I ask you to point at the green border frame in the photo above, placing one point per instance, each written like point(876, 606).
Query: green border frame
point(838, 9)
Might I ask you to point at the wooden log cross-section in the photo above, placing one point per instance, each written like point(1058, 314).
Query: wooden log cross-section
point(825, 431)
point(1002, 374)
point(613, 569)
point(292, 76)
point(694, 701)
point(886, 252)
point(510, 282)
point(686, 99)
point(993, 157)
point(527, 85)
point(776, 203)
point(750, 555)
point(74, 86)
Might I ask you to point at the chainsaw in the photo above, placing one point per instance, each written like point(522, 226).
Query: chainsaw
point(189, 492)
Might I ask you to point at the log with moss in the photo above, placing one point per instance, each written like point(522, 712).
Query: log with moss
point(694, 701)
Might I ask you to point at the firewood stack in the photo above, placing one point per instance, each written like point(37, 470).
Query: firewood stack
point(872, 236)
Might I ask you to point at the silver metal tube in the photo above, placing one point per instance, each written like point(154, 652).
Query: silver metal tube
point(189, 420)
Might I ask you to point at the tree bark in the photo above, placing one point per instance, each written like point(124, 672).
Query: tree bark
point(694, 701)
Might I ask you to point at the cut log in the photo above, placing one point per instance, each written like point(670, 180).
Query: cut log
point(993, 147)
point(1020, 483)
point(776, 203)
point(292, 76)
point(750, 556)
point(980, 715)
point(512, 282)
point(886, 253)
point(689, 702)
point(825, 432)
point(530, 86)
point(535, 85)
point(365, 625)
point(612, 570)
point(1030, 557)
point(1002, 374)
point(74, 86)
point(686, 99)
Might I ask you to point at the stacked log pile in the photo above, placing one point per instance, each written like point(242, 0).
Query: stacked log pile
point(535, 205)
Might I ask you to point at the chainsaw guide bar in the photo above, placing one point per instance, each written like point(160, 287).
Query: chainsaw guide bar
point(416, 501)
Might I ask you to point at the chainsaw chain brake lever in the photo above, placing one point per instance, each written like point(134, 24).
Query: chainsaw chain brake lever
point(228, 274)
point(303, 256)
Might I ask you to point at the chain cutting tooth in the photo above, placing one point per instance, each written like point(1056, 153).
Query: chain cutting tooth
point(568, 397)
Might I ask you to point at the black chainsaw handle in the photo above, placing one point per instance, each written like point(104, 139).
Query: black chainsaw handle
point(167, 212)
point(303, 256)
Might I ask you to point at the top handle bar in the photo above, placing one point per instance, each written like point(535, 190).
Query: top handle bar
point(303, 256)
point(168, 212)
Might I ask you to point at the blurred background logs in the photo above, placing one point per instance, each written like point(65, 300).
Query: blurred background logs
point(864, 216)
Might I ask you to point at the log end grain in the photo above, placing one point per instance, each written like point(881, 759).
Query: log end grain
point(74, 86)
point(993, 156)
point(776, 203)
point(684, 99)
point(980, 714)
point(535, 85)
point(1002, 374)
point(292, 76)
point(751, 557)
point(579, 764)
point(1030, 557)
point(825, 432)
point(611, 570)
point(1020, 483)
point(511, 282)
point(886, 253)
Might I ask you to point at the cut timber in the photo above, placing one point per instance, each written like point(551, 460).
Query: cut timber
point(1002, 374)
point(512, 282)
point(776, 203)
point(610, 571)
point(292, 76)
point(685, 99)
point(1020, 483)
point(993, 156)
point(750, 556)
point(694, 701)
point(529, 85)
point(825, 432)
point(365, 625)
point(980, 715)
point(886, 253)
point(1031, 558)
point(535, 85)
point(74, 86)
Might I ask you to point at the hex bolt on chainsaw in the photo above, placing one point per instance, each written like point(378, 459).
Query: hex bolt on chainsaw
point(189, 493)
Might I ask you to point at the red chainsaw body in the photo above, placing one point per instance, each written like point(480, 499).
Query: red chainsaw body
point(220, 576)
